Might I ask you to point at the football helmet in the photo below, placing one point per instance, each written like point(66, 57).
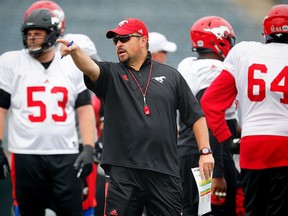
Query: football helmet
point(42, 19)
point(275, 24)
point(212, 33)
point(51, 6)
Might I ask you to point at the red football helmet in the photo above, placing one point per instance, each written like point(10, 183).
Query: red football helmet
point(51, 6)
point(45, 15)
point(276, 21)
point(214, 33)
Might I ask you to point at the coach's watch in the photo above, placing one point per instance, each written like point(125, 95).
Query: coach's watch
point(205, 151)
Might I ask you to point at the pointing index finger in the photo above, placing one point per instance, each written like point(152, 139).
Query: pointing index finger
point(62, 41)
point(70, 44)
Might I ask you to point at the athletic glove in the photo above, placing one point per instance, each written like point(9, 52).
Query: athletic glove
point(83, 163)
point(235, 147)
point(98, 151)
point(4, 166)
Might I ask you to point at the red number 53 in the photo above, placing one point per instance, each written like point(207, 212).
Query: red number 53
point(31, 102)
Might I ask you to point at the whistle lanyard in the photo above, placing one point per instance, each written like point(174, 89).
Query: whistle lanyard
point(146, 109)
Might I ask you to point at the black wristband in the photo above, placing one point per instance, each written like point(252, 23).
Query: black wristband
point(0, 143)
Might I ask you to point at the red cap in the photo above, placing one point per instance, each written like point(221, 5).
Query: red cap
point(129, 26)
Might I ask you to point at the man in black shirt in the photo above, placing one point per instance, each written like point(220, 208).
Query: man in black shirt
point(141, 97)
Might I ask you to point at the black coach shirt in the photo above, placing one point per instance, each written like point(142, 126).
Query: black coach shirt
point(131, 138)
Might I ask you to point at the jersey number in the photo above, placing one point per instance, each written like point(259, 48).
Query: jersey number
point(37, 103)
point(260, 83)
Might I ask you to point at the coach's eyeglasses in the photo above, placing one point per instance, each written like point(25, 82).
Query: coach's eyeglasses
point(124, 38)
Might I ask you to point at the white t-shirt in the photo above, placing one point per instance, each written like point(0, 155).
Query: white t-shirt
point(42, 114)
point(200, 73)
point(261, 75)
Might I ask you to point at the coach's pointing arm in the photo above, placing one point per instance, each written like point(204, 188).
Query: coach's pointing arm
point(81, 60)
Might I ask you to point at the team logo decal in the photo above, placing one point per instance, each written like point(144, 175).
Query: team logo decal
point(60, 16)
point(280, 28)
point(219, 32)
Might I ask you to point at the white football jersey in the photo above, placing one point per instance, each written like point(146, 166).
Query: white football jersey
point(261, 75)
point(41, 118)
point(200, 73)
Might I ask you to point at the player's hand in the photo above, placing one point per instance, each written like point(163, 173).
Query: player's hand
point(84, 161)
point(98, 151)
point(4, 166)
point(219, 187)
point(206, 166)
point(67, 47)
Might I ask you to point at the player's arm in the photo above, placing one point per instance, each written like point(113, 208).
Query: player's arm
point(206, 162)
point(219, 185)
point(81, 59)
point(217, 98)
point(3, 114)
point(5, 101)
point(86, 118)
point(4, 105)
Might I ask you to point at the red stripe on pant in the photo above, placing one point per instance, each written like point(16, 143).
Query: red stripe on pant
point(106, 192)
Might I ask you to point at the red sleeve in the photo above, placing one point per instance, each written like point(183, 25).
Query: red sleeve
point(217, 98)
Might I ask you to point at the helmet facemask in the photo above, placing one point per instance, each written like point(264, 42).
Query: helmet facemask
point(42, 19)
point(52, 7)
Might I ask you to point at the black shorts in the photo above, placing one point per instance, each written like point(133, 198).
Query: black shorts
point(265, 191)
point(130, 190)
point(190, 190)
point(47, 181)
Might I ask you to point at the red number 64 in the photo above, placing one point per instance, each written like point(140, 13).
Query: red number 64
point(275, 84)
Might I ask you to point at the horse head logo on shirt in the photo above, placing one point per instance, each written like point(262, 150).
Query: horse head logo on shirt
point(159, 79)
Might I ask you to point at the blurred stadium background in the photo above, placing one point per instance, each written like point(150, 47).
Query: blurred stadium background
point(170, 17)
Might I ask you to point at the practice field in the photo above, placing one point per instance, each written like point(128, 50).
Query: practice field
point(172, 18)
